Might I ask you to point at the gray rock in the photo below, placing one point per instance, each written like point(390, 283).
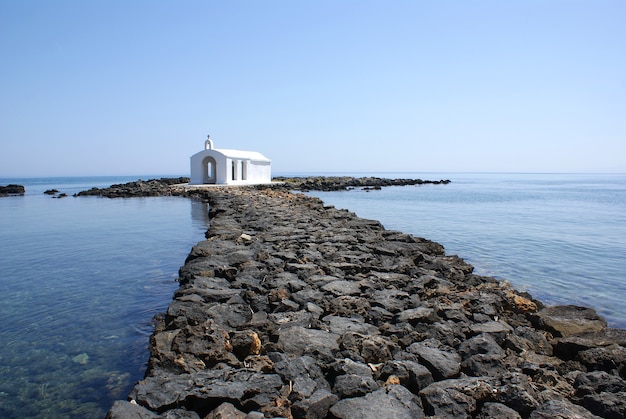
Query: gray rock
point(607, 405)
point(179, 414)
point(303, 372)
point(525, 338)
point(457, 398)
point(339, 288)
point(352, 385)
point(291, 319)
point(391, 300)
point(568, 320)
point(122, 409)
point(226, 411)
point(482, 356)
point(412, 375)
point(307, 295)
point(441, 363)
point(160, 393)
point(315, 407)
point(342, 325)
point(498, 329)
point(561, 409)
point(497, 410)
point(297, 341)
point(598, 382)
point(418, 315)
point(388, 402)
point(517, 392)
point(608, 358)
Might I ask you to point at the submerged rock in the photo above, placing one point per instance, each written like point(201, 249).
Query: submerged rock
point(81, 359)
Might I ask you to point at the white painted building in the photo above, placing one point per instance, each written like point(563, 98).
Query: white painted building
point(229, 167)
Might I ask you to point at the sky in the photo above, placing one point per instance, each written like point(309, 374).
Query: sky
point(124, 87)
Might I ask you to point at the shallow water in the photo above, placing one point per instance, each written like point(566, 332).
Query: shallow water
point(80, 280)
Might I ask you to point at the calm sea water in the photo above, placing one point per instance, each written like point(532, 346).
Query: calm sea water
point(81, 278)
point(561, 237)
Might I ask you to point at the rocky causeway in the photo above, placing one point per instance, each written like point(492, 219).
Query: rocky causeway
point(294, 309)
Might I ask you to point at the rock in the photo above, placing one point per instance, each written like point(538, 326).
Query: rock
point(598, 382)
point(245, 343)
point(81, 359)
point(179, 414)
point(391, 300)
point(226, 411)
point(297, 341)
point(568, 320)
point(303, 372)
point(340, 288)
point(122, 409)
point(442, 364)
point(315, 407)
point(498, 329)
point(410, 374)
point(418, 315)
point(352, 385)
point(607, 358)
point(337, 183)
point(482, 356)
point(12, 189)
point(561, 409)
point(525, 338)
point(207, 387)
point(457, 398)
point(517, 392)
point(391, 402)
point(373, 349)
point(606, 405)
point(497, 410)
point(152, 187)
point(343, 325)
point(568, 347)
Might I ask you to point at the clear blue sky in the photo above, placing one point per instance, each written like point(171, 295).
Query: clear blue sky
point(124, 87)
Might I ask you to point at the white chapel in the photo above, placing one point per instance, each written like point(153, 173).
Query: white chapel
point(229, 167)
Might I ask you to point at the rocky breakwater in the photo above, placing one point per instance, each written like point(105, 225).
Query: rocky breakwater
point(139, 188)
point(293, 309)
point(179, 186)
point(340, 183)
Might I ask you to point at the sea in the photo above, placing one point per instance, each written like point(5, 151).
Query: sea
point(81, 278)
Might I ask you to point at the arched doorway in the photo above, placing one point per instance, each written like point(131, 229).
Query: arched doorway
point(209, 170)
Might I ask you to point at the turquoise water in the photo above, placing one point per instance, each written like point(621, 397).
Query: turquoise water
point(80, 280)
point(561, 237)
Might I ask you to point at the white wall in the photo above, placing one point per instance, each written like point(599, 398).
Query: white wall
point(256, 171)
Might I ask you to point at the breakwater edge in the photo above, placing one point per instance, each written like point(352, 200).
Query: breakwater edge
point(294, 309)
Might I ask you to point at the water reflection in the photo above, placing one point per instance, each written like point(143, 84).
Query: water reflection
point(200, 214)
